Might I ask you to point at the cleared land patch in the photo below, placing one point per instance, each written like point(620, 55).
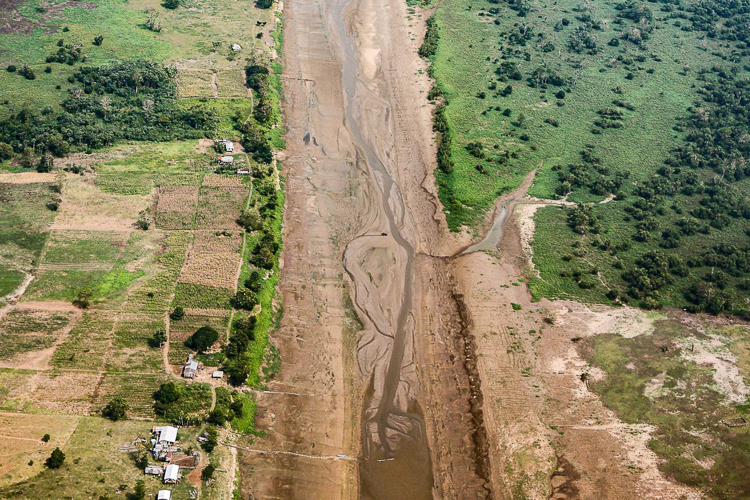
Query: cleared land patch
point(175, 207)
point(22, 442)
point(220, 207)
point(23, 333)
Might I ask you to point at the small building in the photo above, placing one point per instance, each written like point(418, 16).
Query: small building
point(154, 470)
point(172, 474)
point(243, 171)
point(217, 374)
point(164, 495)
point(226, 160)
point(191, 367)
point(229, 146)
point(165, 434)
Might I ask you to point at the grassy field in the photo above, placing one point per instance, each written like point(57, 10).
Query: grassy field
point(474, 44)
point(601, 99)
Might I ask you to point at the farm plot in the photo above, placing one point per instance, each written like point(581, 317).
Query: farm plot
point(136, 388)
point(220, 207)
point(83, 250)
point(26, 331)
point(180, 330)
point(130, 349)
point(124, 183)
point(231, 83)
point(25, 218)
point(217, 241)
point(16, 387)
point(219, 180)
point(86, 207)
point(175, 207)
point(62, 284)
point(64, 392)
point(217, 270)
point(87, 343)
point(192, 296)
point(196, 83)
point(22, 442)
point(154, 293)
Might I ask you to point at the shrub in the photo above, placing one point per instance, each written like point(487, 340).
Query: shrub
point(171, 4)
point(177, 314)
point(208, 472)
point(11, 68)
point(98, 40)
point(46, 438)
point(202, 339)
point(116, 409)
point(56, 459)
point(212, 439)
point(516, 307)
point(159, 337)
point(6, 151)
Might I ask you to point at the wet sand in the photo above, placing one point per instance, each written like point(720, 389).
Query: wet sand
point(362, 228)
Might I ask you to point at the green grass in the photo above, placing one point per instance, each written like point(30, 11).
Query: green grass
point(202, 297)
point(199, 30)
point(63, 285)
point(462, 71)
point(24, 223)
point(246, 422)
point(78, 247)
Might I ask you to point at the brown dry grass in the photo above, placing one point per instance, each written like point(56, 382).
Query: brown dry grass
point(216, 180)
point(21, 437)
point(65, 392)
point(85, 206)
point(217, 270)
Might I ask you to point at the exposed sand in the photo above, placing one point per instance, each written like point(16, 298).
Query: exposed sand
point(533, 393)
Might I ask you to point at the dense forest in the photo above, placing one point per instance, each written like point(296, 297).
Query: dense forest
point(134, 100)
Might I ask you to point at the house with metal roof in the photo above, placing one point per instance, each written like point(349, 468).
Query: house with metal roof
point(166, 434)
point(172, 474)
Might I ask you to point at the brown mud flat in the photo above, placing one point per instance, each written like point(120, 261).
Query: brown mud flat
point(549, 436)
point(385, 414)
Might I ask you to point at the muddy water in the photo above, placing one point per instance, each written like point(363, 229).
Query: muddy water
point(493, 236)
point(396, 458)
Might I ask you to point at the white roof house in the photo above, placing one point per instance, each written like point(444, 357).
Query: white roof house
point(217, 374)
point(166, 434)
point(226, 159)
point(229, 146)
point(172, 473)
point(164, 495)
point(236, 47)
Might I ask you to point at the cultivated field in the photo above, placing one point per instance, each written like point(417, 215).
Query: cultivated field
point(96, 254)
